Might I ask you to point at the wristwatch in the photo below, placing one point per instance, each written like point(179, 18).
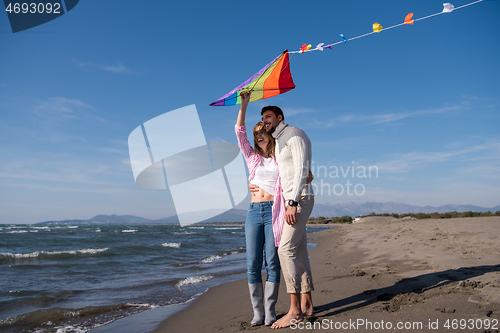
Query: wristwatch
point(292, 203)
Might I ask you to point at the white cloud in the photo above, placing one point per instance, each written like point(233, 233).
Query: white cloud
point(113, 151)
point(292, 112)
point(55, 111)
point(409, 161)
point(53, 116)
point(118, 68)
point(59, 170)
point(460, 193)
point(60, 107)
point(63, 188)
point(82, 64)
point(369, 120)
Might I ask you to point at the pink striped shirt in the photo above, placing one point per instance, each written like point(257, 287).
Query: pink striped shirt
point(253, 162)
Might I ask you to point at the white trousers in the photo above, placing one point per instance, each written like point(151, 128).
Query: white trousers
point(292, 250)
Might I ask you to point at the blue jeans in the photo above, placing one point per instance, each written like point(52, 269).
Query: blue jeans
point(260, 243)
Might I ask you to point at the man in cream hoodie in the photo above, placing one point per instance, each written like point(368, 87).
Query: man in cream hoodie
point(293, 155)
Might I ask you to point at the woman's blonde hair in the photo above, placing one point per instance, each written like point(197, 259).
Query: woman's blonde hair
point(270, 145)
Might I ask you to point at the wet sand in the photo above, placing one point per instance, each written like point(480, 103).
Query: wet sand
point(380, 275)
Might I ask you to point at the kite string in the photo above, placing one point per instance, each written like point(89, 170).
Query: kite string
point(428, 16)
point(468, 4)
point(321, 47)
point(394, 26)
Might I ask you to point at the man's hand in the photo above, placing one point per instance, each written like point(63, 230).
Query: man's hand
point(253, 188)
point(290, 216)
point(310, 177)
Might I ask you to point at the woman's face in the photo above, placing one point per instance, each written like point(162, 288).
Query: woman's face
point(261, 138)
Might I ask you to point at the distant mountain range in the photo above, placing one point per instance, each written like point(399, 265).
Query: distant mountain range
point(232, 215)
point(352, 209)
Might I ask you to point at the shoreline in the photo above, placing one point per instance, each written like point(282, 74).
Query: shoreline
point(146, 321)
point(420, 272)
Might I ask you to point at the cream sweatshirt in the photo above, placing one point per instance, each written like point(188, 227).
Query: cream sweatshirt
point(293, 155)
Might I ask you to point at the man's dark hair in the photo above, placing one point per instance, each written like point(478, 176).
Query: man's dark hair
point(276, 110)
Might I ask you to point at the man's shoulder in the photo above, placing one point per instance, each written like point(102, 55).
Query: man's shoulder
point(291, 131)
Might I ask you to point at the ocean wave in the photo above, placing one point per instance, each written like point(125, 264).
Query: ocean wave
point(193, 280)
point(174, 245)
point(17, 232)
point(196, 227)
point(185, 233)
point(70, 329)
point(143, 305)
point(131, 230)
point(36, 254)
point(228, 228)
point(93, 251)
point(311, 245)
point(211, 259)
point(57, 318)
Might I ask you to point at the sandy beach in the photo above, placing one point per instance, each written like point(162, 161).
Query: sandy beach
point(380, 275)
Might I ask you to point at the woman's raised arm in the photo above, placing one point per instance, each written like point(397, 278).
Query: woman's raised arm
point(245, 98)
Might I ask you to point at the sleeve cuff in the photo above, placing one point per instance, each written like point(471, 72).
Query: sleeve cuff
point(240, 128)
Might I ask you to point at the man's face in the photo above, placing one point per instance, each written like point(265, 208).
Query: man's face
point(270, 121)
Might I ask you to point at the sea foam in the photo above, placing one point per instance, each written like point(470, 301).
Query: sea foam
point(193, 280)
point(174, 245)
point(37, 253)
point(211, 259)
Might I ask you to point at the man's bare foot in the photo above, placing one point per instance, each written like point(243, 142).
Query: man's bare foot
point(288, 320)
point(306, 304)
point(307, 309)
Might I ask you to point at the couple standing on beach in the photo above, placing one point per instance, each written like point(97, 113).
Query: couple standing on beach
point(281, 204)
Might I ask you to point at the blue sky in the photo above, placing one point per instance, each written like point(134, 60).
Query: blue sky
point(420, 103)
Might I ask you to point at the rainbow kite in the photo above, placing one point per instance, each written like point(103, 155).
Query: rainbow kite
point(274, 79)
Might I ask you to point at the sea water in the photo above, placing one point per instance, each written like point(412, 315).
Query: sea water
point(73, 278)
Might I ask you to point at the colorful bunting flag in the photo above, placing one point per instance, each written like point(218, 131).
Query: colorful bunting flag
point(305, 48)
point(448, 8)
point(377, 27)
point(408, 19)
